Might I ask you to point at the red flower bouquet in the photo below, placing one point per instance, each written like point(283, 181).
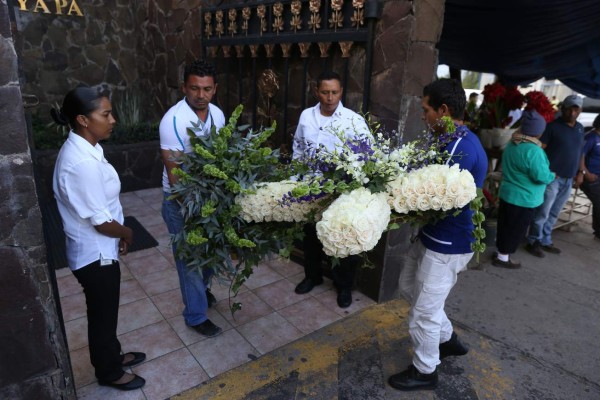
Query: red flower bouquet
point(498, 101)
point(539, 102)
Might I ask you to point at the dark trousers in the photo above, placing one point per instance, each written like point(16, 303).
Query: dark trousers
point(513, 222)
point(592, 191)
point(101, 285)
point(343, 274)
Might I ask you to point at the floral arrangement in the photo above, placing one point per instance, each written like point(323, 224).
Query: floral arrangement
point(498, 101)
point(434, 187)
point(353, 223)
point(224, 165)
point(266, 205)
point(538, 101)
point(238, 199)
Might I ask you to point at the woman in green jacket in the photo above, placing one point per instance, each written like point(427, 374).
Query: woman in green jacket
point(525, 175)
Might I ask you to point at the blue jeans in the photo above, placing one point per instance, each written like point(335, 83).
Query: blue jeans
point(192, 283)
point(556, 195)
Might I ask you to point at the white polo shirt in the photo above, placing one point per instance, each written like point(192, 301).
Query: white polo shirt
point(86, 188)
point(173, 129)
point(315, 130)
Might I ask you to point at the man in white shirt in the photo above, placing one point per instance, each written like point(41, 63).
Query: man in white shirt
point(194, 111)
point(316, 129)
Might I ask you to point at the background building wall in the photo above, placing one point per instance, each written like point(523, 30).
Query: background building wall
point(34, 359)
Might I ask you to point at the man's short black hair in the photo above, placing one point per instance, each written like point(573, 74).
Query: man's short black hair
point(328, 76)
point(449, 92)
point(200, 68)
point(474, 94)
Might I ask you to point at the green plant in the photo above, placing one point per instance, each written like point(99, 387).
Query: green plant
point(128, 108)
point(223, 165)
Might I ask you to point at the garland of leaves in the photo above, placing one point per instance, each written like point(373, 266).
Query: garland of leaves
point(224, 164)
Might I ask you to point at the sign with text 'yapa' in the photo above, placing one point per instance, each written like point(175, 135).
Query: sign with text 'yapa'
point(58, 7)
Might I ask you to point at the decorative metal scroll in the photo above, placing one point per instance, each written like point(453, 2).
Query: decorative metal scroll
point(285, 21)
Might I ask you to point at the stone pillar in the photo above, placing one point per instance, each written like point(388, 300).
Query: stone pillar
point(34, 358)
point(404, 61)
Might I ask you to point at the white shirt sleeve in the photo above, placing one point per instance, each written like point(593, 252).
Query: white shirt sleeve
point(84, 187)
point(168, 137)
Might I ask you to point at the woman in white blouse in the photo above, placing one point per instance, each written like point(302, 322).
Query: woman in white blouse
point(87, 190)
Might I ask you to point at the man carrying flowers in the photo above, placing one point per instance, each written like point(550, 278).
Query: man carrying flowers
point(193, 113)
point(442, 249)
point(318, 130)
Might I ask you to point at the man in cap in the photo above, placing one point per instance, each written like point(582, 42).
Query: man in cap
point(562, 140)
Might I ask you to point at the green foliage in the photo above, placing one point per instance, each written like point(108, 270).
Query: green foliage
point(223, 164)
point(478, 246)
point(471, 80)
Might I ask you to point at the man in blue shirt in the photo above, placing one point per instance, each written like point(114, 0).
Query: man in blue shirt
point(442, 250)
point(562, 140)
point(589, 173)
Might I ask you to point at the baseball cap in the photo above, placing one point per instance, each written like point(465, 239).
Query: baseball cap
point(572, 101)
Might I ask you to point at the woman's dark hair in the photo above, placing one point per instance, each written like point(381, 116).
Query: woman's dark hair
point(449, 92)
point(82, 100)
point(200, 68)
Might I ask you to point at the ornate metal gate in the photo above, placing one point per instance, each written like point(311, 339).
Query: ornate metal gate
point(269, 52)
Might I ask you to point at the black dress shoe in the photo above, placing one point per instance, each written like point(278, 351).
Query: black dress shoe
point(344, 298)
point(137, 358)
point(136, 383)
point(510, 264)
point(452, 347)
point(307, 285)
point(412, 379)
point(207, 328)
point(210, 298)
point(535, 248)
point(550, 248)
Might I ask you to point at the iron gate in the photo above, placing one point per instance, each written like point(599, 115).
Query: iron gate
point(267, 54)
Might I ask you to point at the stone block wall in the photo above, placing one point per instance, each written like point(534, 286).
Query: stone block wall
point(34, 359)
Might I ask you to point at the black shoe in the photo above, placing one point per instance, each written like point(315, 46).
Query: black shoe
point(137, 358)
point(344, 298)
point(535, 248)
point(207, 328)
point(551, 249)
point(307, 285)
point(412, 379)
point(136, 383)
point(452, 347)
point(510, 264)
point(210, 298)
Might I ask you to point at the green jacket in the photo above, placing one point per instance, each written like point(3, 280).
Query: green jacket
point(525, 174)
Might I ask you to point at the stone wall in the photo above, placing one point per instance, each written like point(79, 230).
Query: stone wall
point(34, 358)
point(59, 51)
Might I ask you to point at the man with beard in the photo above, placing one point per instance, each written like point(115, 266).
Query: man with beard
point(563, 141)
point(194, 111)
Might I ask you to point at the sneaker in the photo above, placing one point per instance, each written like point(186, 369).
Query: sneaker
point(535, 249)
point(207, 328)
point(452, 347)
point(412, 379)
point(550, 249)
point(510, 264)
point(210, 298)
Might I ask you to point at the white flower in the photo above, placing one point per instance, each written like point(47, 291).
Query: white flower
point(265, 204)
point(353, 223)
point(434, 187)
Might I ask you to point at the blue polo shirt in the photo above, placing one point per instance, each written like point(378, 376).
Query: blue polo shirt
point(591, 152)
point(563, 147)
point(454, 234)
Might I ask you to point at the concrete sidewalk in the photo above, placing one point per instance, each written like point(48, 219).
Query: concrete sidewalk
point(533, 335)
